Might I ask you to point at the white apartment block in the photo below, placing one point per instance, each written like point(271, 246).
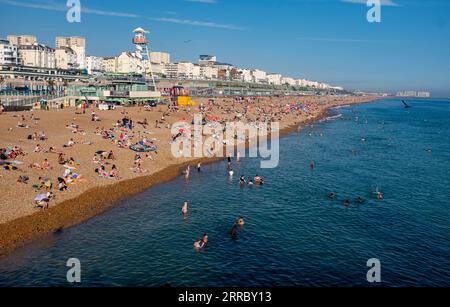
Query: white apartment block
point(160, 57)
point(19, 40)
point(158, 69)
point(77, 44)
point(207, 60)
point(259, 76)
point(128, 62)
point(94, 64)
point(65, 58)
point(307, 83)
point(183, 69)
point(288, 80)
point(110, 64)
point(9, 54)
point(246, 75)
point(208, 72)
point(274, 79)
point(38, 55)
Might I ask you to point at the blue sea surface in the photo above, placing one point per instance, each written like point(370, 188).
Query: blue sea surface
point(295, 234)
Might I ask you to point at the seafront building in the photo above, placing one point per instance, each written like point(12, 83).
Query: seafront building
point(129, 62)
point(288, 81)
point(28, 60)
point(110, 64)
point(22, 40)
point(421, 94)
point(77, 44)
point(38, 55)
point(207, 60)
point(66, 58)
point(94, 64)
point(160, 57)
point(274, 79)
point(9, 53)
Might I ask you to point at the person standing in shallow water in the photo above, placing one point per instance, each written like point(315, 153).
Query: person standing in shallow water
point(184, 209)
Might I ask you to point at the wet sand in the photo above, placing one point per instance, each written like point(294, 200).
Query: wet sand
point(20, 222)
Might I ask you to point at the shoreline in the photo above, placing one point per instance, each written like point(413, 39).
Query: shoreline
point(99, 199)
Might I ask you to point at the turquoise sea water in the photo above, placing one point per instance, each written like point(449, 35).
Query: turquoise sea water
point(295, 235)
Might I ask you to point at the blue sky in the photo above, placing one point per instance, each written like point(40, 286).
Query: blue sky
point(327, 40)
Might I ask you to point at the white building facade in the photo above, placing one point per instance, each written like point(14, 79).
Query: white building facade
point(274, 79)
point(259, 76)
point(9, 54)
point(78, 45)
point(160, 57)
point(65, 58)
point(128, 62)
point(38, 55)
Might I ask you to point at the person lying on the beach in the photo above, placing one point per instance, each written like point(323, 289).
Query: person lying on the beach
point(9, 167)
point(72, 177)
point(101, 172)
point(23, 179)
point(138, 169)
point(98, 158)
point(38, 148)
point(22, 125)
point(35, 165)
point(143, 123)
point(51, 149)
point(70, 143)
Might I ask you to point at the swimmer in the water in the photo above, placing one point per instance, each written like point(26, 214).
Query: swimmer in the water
point(312, 165)
point(198, 244)
point(257, 179)
point(230, 172)
point(240, 221)
point(250, 182)
point(199, 166)
point(360, 200)
point(184, 209)
point(332, 195)
point(346, 202)
point(186, 172)
point(205, 239)
point(242, 180)
point(378, 194)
